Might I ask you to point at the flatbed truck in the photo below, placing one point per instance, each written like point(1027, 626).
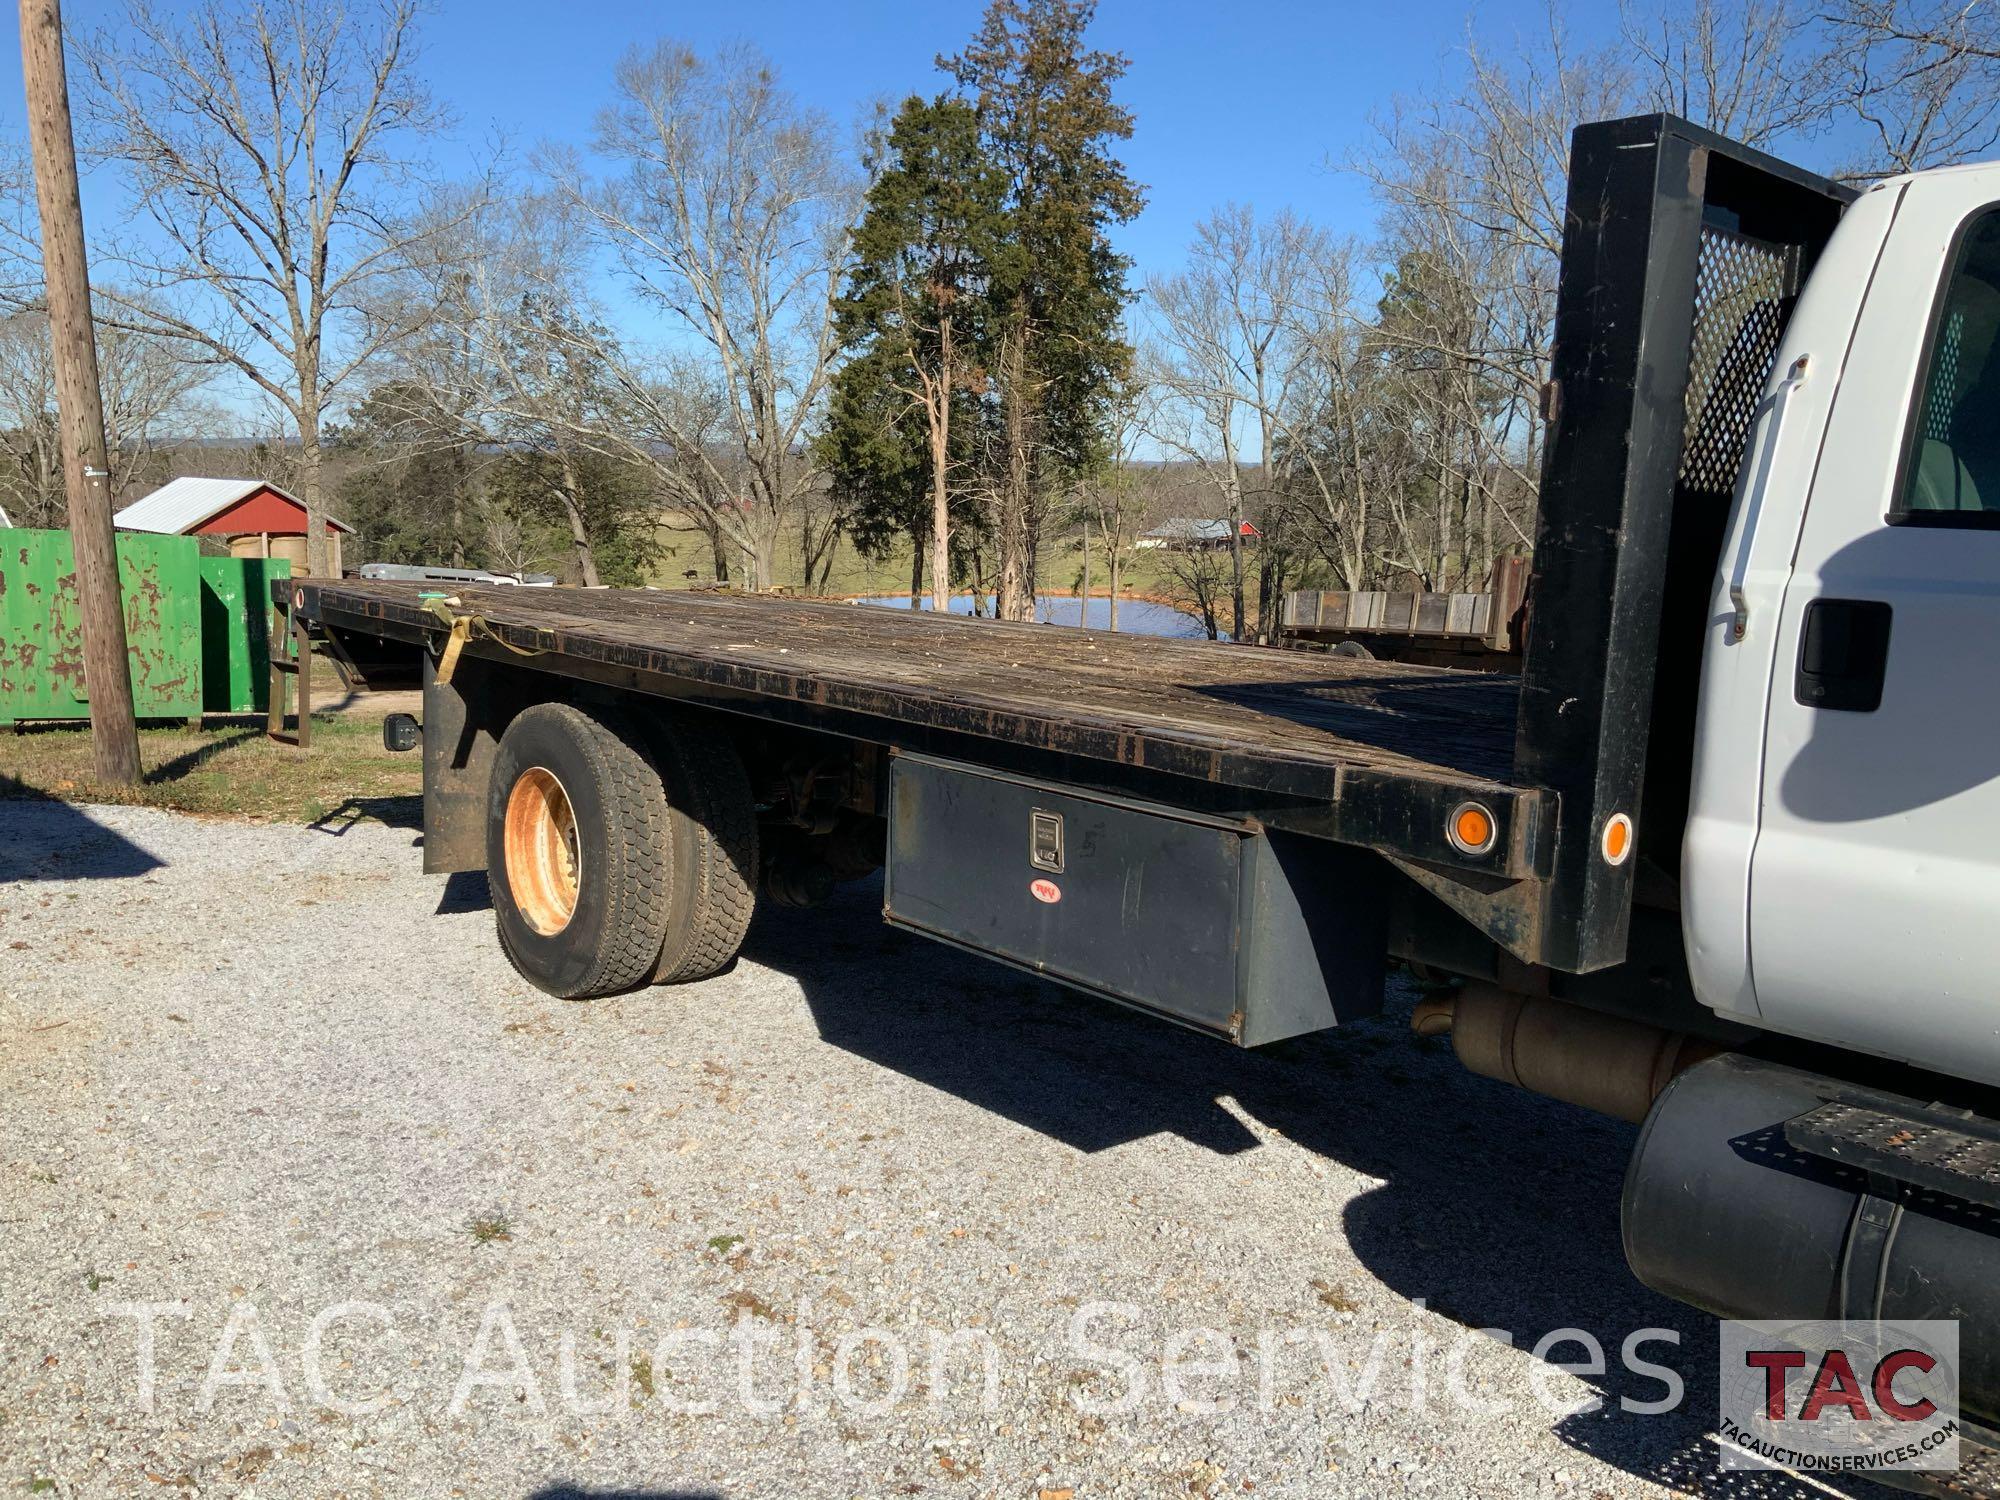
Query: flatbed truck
point(1723, 857)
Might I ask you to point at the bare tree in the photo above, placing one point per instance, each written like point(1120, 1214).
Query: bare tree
point(1473, 184)
point(151, 398)
point(1461, 358)
point(509, 548)
point(520, 355)
point(20, 230)
point(1112, 496)
point(1751, 69)
point(1225, 356)
point(155, 402)
point(1339, 454)
point(731, 211)
point(697, 455)
point(1479, 177)
point(32, 446)
point(272, 149)
point(1193, 573)
point(1923, 76)
point(822, 516)
point(557, 399)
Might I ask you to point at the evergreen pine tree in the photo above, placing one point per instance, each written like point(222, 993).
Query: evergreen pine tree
point(914, 312)
point(1045, 108)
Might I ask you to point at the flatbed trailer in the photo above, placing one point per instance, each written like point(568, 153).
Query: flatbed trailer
point(1530, 823)
point(1762, 542)
point(1291, 753)
point(1684, 255)
point(1362, 751)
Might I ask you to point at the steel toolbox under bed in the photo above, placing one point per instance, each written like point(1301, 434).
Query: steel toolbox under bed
point(1214, 922)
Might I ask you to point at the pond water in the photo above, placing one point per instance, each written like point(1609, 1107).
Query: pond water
point(1135, 616)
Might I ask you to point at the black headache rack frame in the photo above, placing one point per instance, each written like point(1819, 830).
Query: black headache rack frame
point(1683, 254)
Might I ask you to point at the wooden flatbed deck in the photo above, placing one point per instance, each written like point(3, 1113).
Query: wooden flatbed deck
point(1296, 724)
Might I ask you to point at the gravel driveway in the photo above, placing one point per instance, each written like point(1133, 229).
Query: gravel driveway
point(396, 1224)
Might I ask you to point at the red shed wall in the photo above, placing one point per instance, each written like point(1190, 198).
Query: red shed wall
point(261, 510)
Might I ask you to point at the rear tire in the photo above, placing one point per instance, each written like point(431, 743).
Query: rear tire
point(576, 821)
point(711, 850)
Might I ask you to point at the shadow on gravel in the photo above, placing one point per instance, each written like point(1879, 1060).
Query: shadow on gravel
point(571, 1492)
point(465, 891)
point(1496, 1207)
point(43, 839)
point(391, 812)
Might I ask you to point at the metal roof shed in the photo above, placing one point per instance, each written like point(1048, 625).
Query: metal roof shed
point(260, 519)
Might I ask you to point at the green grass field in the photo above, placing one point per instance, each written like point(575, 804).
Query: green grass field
point(225, 767)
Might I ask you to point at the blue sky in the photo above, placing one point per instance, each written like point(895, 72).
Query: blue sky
point(1247, 102)
point(1234, 102)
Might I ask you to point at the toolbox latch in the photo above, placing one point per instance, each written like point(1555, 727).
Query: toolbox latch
point(1045, 841)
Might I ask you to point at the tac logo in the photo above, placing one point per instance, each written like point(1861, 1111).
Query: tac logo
point(1837, 1397)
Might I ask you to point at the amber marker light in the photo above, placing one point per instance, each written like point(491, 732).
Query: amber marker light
point(1471, 829)
point(1616, 840)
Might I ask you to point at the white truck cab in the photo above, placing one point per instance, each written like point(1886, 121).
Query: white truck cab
point(1841, 870)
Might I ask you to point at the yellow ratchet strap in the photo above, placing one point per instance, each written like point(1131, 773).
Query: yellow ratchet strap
point(463, 627)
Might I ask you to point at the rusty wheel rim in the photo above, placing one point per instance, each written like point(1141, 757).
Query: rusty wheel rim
point(544, 862)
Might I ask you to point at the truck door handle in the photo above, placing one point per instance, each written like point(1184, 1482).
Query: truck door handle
point(1843, 654)
point(1753, 495)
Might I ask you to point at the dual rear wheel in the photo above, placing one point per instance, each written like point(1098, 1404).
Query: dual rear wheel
point(619, 853)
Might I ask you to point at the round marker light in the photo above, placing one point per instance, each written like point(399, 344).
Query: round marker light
point(1616, 840)
point(1471, 829)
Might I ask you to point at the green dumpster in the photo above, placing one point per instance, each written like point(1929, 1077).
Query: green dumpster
point(41, 640)
point(236, 632)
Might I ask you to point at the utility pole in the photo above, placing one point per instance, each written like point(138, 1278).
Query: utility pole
point(114, 732)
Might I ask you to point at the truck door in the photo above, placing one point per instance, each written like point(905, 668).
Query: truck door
point(1875, 879)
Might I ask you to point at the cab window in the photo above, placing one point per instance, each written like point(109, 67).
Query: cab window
point(1951, 470)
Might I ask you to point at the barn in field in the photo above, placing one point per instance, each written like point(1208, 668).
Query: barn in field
point(258, 519)
point(1189, 534)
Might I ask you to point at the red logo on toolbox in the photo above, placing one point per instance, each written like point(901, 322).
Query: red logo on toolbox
point(1045, 890)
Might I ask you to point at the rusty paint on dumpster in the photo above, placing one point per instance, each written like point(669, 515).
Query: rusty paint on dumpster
point(41, 638)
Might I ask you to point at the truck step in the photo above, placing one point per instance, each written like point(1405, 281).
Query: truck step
point(1978, 1470)
point(1948, 1154)
point(1977, 1476)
